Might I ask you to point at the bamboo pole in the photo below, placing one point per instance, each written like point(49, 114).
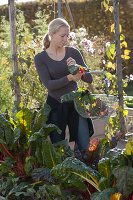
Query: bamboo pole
point(119, 66)
point(12, 14)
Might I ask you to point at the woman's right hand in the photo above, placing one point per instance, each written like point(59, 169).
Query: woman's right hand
point(75, 77)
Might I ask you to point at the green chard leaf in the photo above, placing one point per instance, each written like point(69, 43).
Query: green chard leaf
point(124, 177)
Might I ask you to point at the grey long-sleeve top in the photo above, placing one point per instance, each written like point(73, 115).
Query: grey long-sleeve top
point(53, 74)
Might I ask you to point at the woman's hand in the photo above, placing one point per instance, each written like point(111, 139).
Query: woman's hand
point(75, 77)
point(71, 61)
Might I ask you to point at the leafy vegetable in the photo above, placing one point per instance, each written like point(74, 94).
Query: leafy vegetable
point(86, 104)
point(72, 171)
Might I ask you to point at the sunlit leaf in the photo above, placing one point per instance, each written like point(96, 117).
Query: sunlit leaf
point(111, 65)
point(120, 27)
point(125, 57)
point(125, 112)
point(111, 9)
point(104, 167)
point(112, 28)
point(124, 44)
point(122, 37)
point(129, 147)
point(72, 169)
point(109, 75)
point(2, 78)
point(126, 52)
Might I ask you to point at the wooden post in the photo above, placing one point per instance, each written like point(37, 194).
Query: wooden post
point(60, 9)
point(12, 14)
point(119, 66)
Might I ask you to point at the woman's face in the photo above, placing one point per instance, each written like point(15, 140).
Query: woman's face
point(60, 38)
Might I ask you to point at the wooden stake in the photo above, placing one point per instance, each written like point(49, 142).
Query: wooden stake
point(12, 14)
point(119, 66)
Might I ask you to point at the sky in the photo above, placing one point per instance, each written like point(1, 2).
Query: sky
point(3, 2)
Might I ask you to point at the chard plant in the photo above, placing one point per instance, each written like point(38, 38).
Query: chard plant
point(32, 167)
point(116, 175)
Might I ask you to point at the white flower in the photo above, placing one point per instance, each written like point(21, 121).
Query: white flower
point(89, 43)
point(104, 62)
point(131, 77)
point(91, 50)
point(95, 37)
point(82, 29)
point(83, 41)
point(5, 44)
point(72, 35)
point(107, 44)
point(81, 32)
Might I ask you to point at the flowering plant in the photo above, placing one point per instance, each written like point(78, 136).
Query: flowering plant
point(93, 51)
point(80, 39)
point(91, 47)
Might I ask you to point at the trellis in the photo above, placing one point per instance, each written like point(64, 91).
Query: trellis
point(12, 16)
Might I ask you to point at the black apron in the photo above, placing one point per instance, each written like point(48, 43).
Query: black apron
point(63, 114)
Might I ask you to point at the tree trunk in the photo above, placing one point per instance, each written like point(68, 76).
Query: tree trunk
point(119, 66)
point(12, 14)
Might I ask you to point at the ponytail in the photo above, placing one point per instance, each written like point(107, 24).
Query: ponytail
point(46, 41)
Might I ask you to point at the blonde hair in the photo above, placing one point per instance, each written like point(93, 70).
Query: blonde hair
point(54, 27)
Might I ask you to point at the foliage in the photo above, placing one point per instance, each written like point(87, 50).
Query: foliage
point(116, 175)
point(32, 92)
point(86, 104)
point(129, 147)
point(6, 94)
point(110, 65)
point(19, 189)
point(32, 167)
point(112, 130)
point(129, 89)
point(114, 78)
point(129, 102)
point(72, 171)
point(29, 160)
point(15, 139)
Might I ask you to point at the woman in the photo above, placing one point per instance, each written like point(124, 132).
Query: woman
point(52, 66)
